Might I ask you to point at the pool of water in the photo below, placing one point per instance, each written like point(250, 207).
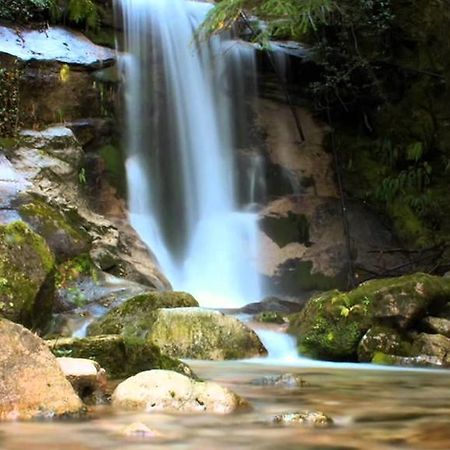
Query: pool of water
point(371, 408)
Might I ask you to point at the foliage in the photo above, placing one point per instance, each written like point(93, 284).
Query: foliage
point(9, 100)
point(23, 11)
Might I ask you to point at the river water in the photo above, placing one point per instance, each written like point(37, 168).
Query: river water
point(372, 409)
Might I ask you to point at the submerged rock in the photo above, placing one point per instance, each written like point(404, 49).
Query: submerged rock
point(139, 430)
point(32, 384)
point(289, 380)
point(199, 333)
point(332, 324)
point(120, 356)
point(135, 316)
point(86, 377)
point(308, 418)
point(161, 390)
point(26, 276)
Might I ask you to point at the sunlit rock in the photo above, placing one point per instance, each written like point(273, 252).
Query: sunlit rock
point(161, 390)
point(32, 384)
point(86, 377)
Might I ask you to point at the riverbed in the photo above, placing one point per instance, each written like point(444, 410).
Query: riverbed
point(372, 408)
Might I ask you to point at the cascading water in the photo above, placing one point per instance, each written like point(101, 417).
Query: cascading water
point(184, 126)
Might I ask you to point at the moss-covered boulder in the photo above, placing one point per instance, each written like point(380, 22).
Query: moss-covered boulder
point(135, 316)
point(332, 324)
point(32, 384)
point(65, 238)
point(26, 276)
point(199, 333)
point(120, 356)
point(383, 339)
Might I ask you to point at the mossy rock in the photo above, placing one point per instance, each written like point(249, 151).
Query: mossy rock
point(381, 339)
point(64, 237)
point(332, 324)
point(26, 276)
point(120, 356)
point(270, 317)
point(199, 333)
point(135, 316)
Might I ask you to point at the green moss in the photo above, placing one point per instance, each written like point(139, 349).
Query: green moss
point(332, 324)
point(383, 359)
point(115, 169)
point(121, 357)
point(284, 230)
point(270, 317)
point(26, 275)
point(135, 316)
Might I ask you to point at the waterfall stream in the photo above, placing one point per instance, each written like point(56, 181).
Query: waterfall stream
point(185, 119)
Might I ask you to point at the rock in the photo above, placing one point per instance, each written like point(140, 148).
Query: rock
point(271, 304)
point(121, 357)
point(199, 333)
point(307, 418)
point(385, 340)
point(270, 317)
point(437, 325)
point(54, 44)
point(32, 384)
point(289, 380)
point(407, 361)
point(332, 324)
point(26, 276)
point(434, 345)
point(86, 377)
point(161, 390)
point(135, 316)
point(66, 238)
point(139, 430)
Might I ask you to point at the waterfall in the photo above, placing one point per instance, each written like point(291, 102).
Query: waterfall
point(186, 117)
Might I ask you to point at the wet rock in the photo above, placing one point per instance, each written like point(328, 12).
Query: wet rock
point(332, 324)
point(54, 44)
point(306, 418)
point(86, 377)
point(434, 345)
point(32, 385)
point(136, 316)
point(270, 317)
point(203, 334)
point(385, 340)
point(121, 357)
point(139, 430)
point(407, 361)
point(161, 390)
point(437, 325)
point(289, 380)
point(26, 276)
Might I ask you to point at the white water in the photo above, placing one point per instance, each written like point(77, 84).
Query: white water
point(184, 102)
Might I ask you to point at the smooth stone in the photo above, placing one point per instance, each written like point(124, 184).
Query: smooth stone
point(139, 430)
point(162, 390)
point(32, 384)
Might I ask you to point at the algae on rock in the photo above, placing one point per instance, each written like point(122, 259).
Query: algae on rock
point(26, 276)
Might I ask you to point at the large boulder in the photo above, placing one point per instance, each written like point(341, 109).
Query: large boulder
point(32, 384)
point(135, 316)
point(332, 324)
point(121, 357)
point(26, 276)
point(161, 390)
point(199, 333)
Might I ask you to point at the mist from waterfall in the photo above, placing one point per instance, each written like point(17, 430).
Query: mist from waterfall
point(186, 116)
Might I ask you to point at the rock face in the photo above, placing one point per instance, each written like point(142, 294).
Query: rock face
point(136, 315)
point(32, 384)
point(161, 390)
point(203, 334)
point(378, 317)
point(121, 357)
point(26, 276)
